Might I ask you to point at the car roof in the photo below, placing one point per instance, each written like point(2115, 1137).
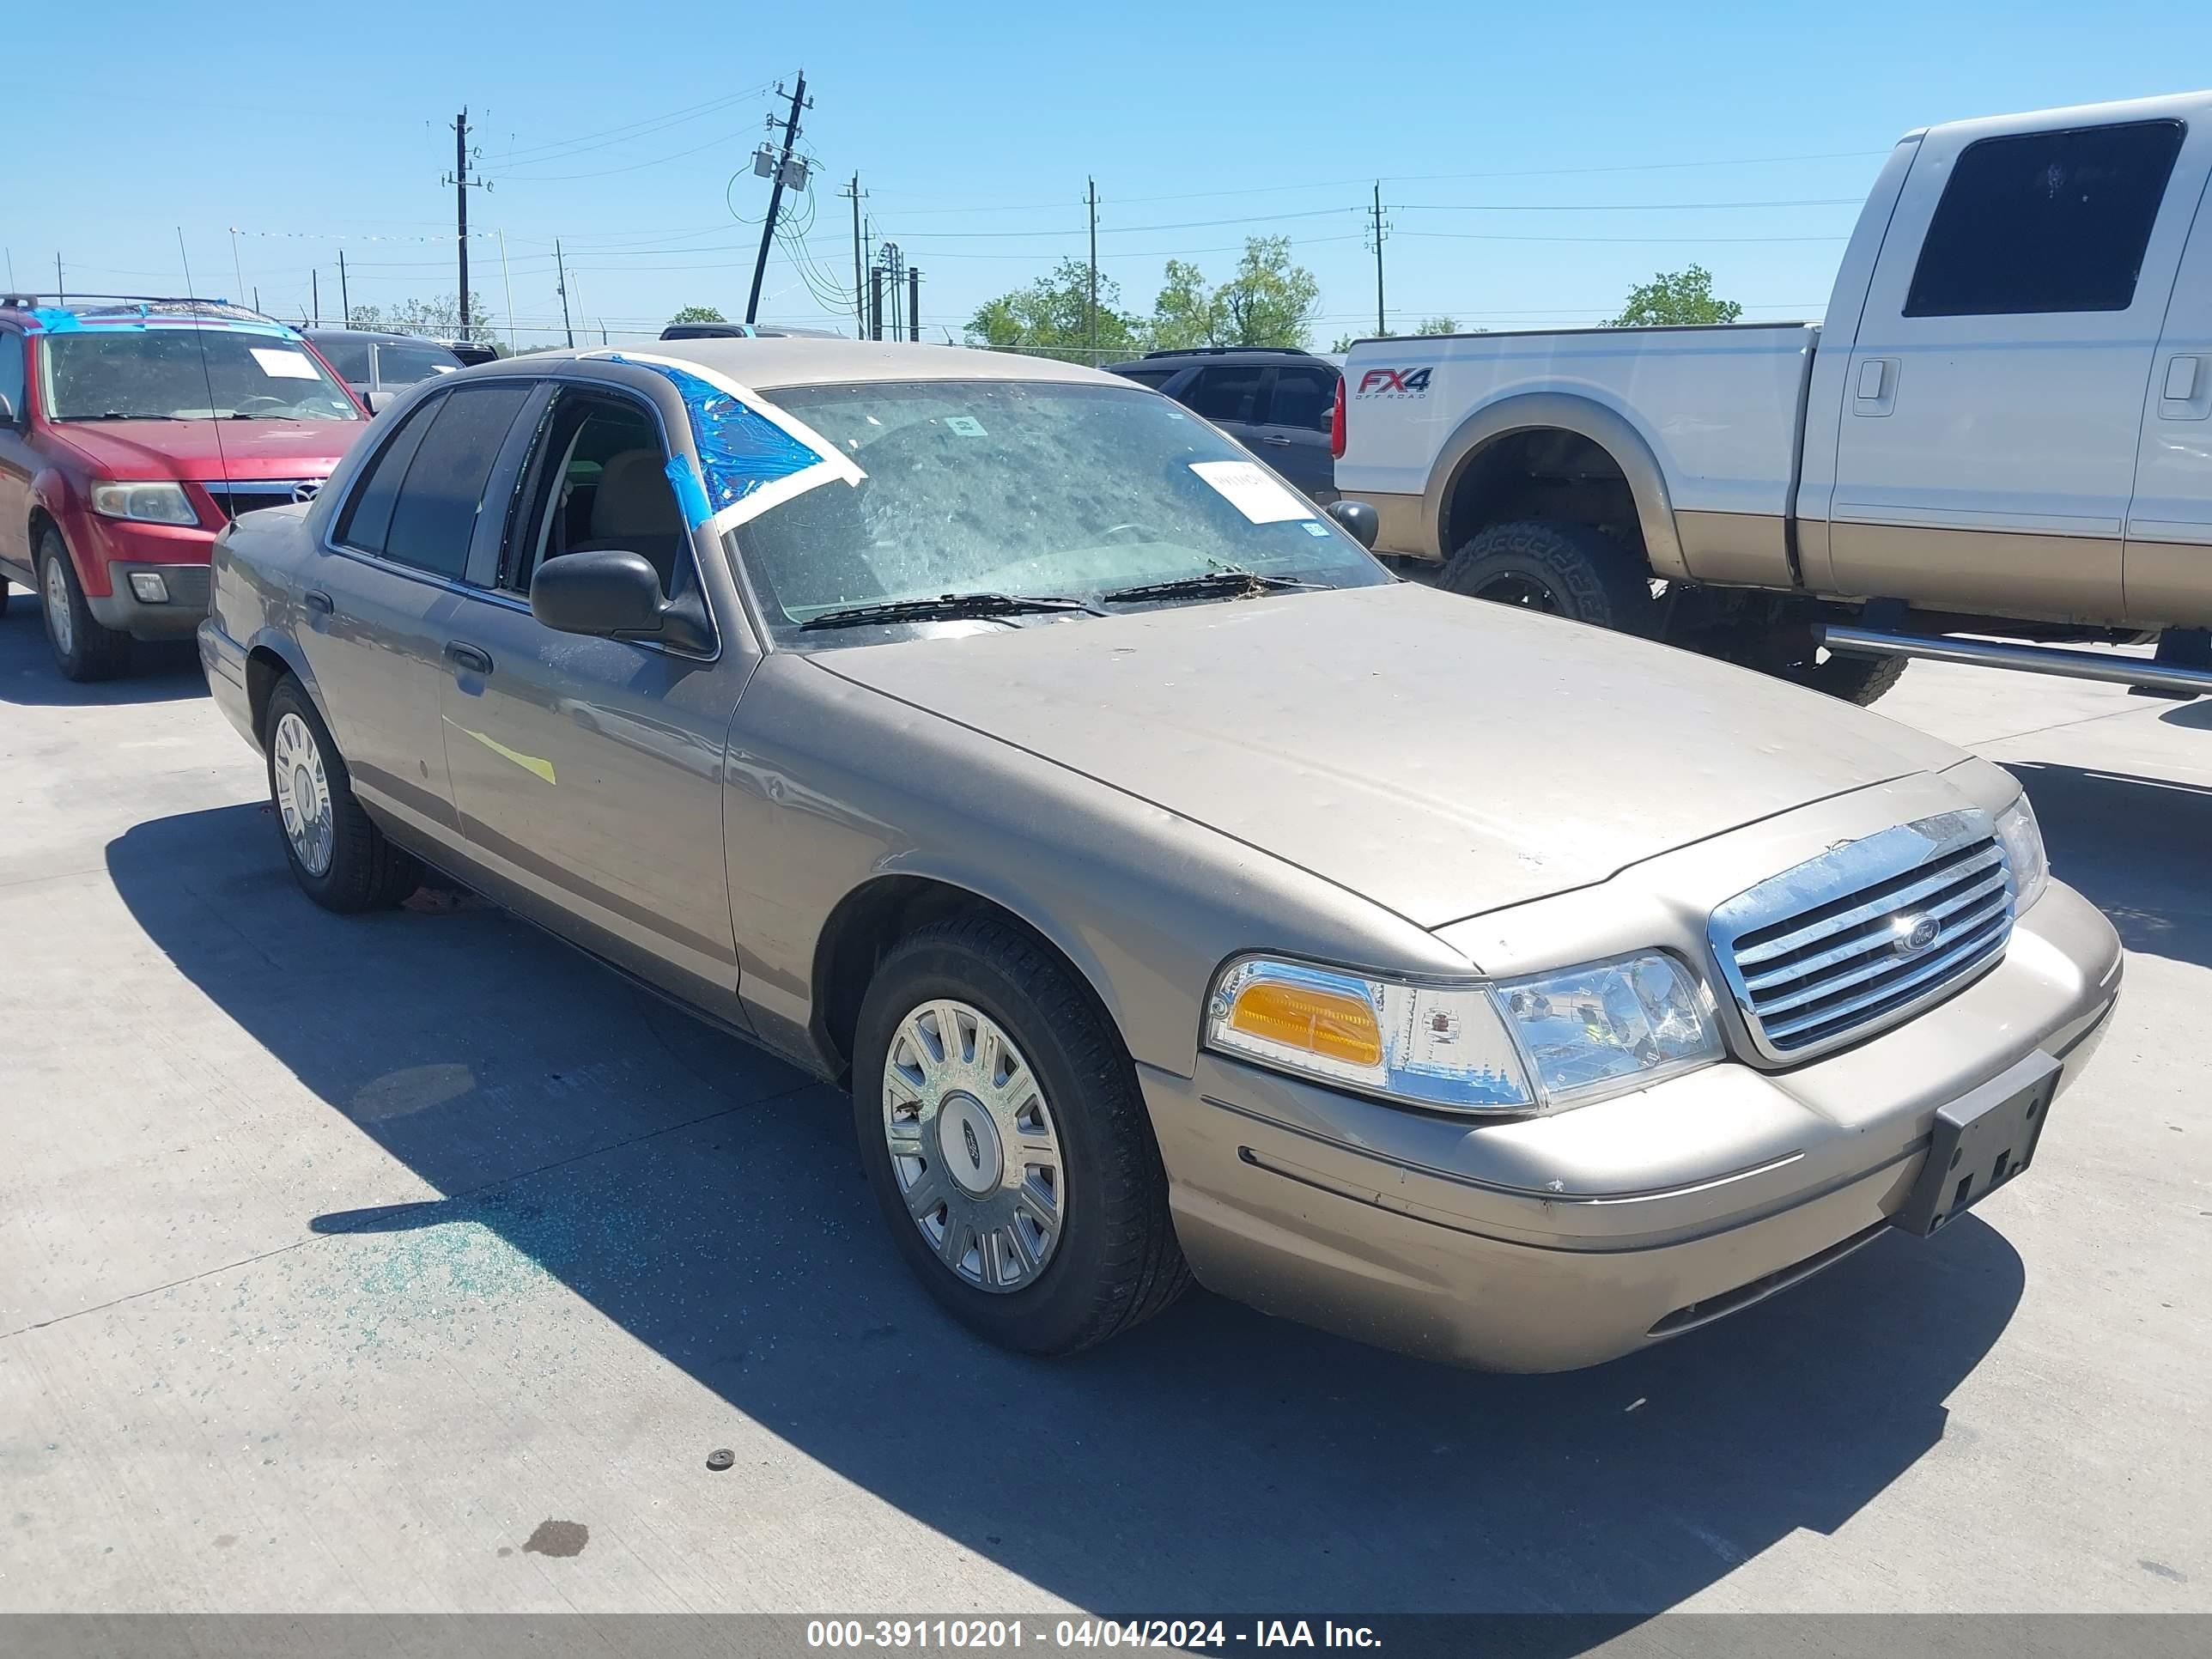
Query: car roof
point(377, 336)
point(795, 360)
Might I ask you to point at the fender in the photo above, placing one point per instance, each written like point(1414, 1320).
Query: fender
point(51, 493)
point(283, 647)
point(1603, 426)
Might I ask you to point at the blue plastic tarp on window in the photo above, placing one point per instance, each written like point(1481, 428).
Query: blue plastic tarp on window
point(740, 449)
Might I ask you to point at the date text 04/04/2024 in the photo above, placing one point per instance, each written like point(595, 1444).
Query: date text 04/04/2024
point(989, 1635)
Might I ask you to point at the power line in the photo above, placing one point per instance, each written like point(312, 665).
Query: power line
point(560, 149)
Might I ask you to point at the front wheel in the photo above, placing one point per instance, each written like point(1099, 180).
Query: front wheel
point(339, 857)
point(84, 650)
point(1002, 1129)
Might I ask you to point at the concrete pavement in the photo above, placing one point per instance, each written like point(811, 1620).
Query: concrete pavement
point(414, 1263)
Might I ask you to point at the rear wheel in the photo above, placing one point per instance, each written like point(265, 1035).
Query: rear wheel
point(339, 857)
point(1002, 1129)
point(83, 649)
point(1567, 570)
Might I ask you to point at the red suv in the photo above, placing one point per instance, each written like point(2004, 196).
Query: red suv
point(132, 431)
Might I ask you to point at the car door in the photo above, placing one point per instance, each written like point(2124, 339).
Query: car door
point(2168, 562)
point(1291, 427)
point(377, 612)
point(17, 463)
point(588, 772)
point(1993, 395)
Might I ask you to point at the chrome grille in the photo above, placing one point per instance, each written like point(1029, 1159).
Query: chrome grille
point(1866, 934)
point(239, 496)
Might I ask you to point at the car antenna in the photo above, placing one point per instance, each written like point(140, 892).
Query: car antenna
point(207, 377)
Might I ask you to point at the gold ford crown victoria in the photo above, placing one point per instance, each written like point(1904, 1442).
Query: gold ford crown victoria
point(1178, 894)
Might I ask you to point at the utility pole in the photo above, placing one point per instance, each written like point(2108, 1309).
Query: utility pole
point(775, 192)
point(876, 302)
point(61, 289)
point(1378, 227)
point(568, 332)
point(1093, 183)
point(315, 295)
point(462, 183)
point(860, 280)
point(914, 304)
point(345, 293)
point(237, 270)
point(507, 282)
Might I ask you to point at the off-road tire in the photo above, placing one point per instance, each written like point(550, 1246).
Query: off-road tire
point(367, 872)
point(1583, 574)
point(1854, 680)
point(1116, 1262)
point(93, 651)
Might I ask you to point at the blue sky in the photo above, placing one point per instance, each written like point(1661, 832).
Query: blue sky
point(1533, 164)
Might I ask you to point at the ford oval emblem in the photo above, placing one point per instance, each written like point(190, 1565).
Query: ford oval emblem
point(1916, 934)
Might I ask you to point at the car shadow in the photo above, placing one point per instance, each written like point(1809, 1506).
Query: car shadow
point(2197, 713)
point(2135, 846)
point(705, 1200)
point(161, 671)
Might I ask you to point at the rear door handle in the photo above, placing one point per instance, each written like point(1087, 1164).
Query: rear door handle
point(319, 600)
point(2186, 394)
point(468, 657)
point(1876, 394)
point(1285, 442)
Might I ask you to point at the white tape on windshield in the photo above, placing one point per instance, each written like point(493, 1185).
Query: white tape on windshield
point(280, 364)
point(1252, 491)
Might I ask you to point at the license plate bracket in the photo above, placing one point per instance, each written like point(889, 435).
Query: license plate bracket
point(1979, 1142)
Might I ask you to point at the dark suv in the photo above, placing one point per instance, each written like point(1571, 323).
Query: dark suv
point(1273, 400)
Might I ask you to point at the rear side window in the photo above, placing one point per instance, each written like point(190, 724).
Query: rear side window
point(1224, 394)
point(2045, 221)
point(1154, 378)
point(367, 517)
point(1301, 397)
point(348, 357)
point(436, 516)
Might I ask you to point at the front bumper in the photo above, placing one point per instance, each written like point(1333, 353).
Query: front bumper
point(184, 591)
point(1547, 1243)
point(111, 551)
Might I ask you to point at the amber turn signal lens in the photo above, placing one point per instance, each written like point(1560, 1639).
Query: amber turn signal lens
point(1325, 1023)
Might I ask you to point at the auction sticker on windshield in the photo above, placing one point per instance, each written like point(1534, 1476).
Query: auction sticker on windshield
point(281, 364)
point(1247, 487)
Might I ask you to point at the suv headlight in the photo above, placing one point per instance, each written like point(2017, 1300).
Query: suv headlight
point(2021, 837)
point(148, 503)
point(1532, 1044)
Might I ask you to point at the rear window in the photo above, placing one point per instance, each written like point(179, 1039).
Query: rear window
point(2045, 222)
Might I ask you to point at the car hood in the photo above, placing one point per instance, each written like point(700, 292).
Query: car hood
point(1437, 754)
point(212, 450)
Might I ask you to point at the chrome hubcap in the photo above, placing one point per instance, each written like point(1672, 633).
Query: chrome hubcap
point(973, 1146)
point(59, 623)
point(303, 788)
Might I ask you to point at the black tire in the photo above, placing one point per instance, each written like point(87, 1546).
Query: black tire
point(83, 649)
point(366, 872)
point(1567, 570)
point(1854, 680)
point(1115, 1262)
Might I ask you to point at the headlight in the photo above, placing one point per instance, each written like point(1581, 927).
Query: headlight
point(149, 503)
point(2021, 837)
point(1516, 1046)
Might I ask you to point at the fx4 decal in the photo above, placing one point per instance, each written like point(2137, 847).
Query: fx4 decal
point(1394, 382)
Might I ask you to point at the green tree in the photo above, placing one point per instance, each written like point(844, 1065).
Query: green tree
point(698, 314)
point(1443, 325)
point(1676, 297)
point(1182, 315)
point(1428, 326)
point(438, 318)
point(1051, 318)
point(1269, 301)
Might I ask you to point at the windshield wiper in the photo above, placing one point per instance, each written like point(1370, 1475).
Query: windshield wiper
point(1226, 581)
point(123, 415)
point(947, 607)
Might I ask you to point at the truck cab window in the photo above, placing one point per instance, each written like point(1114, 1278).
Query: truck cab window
point(2045, 221)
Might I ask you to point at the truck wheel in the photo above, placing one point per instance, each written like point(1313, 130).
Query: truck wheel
point(339, 857)
point(83, 650)
point(1565, 569)
point(1001, 1128)
point(1854, 680)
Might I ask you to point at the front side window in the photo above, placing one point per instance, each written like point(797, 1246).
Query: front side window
point(1024, 488)
point(12, 371)
point(600, 483)
point(98, 373)
point(403, 365)
point(349, 358)
point(2045, 222)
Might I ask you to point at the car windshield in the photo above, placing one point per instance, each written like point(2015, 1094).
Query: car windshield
point(1028, 489)
point(403, 365)
point(187, 373)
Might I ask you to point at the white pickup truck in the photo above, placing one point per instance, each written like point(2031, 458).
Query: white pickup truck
point(2001, 428)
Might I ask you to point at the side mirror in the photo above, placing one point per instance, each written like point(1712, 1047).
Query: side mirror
point(378, 402)
point(1356, 519)
point(7, 412)
point(616, 595)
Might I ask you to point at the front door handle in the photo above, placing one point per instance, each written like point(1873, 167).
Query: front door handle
point(319, 600)
point(1285, 442)
point(462, 655)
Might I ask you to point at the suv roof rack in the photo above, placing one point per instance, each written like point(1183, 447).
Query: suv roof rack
point(166, 305)
point(1222, 351)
